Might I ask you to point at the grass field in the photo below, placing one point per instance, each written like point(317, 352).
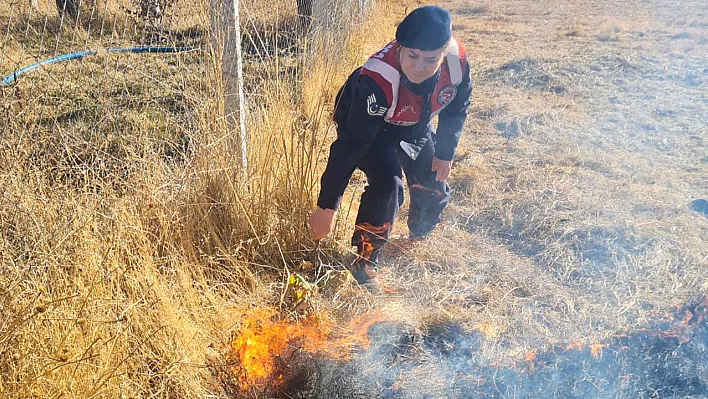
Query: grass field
point(133, 255)
point(586, 145)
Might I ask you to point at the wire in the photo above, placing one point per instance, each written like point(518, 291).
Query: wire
point(81, 54)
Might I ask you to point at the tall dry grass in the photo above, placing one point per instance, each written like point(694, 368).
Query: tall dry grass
point(130, 246)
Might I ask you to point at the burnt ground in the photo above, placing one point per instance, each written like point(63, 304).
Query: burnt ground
point(579, 183)
point(578, 212)
point(667, 361)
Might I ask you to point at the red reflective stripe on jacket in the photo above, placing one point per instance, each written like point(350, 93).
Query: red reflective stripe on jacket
point(405, 107)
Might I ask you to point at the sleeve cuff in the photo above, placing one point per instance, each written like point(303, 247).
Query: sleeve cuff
point(329, 203)
point(443, 152)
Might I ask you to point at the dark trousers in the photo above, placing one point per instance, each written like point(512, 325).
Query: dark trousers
point(383, 165)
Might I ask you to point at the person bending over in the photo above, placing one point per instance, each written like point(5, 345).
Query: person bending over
point(383, 115)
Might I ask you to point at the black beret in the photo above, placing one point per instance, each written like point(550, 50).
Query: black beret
point(426, 28)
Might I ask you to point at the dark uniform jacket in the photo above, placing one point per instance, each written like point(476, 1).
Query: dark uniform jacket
point(378, 99)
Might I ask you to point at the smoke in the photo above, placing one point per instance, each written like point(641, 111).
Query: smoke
point(670, 360)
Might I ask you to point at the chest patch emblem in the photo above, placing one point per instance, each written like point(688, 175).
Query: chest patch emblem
point(446, 95)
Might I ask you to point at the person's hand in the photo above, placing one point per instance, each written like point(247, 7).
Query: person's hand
point(442, 167)
point(321, 223)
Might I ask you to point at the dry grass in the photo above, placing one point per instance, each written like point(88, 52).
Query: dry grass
point(131, 249)
point(571, 218)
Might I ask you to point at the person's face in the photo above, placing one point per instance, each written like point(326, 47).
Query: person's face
point(419, 65)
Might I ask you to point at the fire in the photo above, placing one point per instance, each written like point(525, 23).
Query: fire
point(530, 357)
point(686, 318)
point(263, 340)
point(265, 343)
point(359, 327)
point(596, 350)
point(574, 345)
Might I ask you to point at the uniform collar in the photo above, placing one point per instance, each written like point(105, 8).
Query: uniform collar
point(423, 88)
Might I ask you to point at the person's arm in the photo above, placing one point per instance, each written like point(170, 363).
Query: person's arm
point(451, 119)
point(355, 133)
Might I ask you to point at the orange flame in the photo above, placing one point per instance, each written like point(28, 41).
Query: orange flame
point(359, 327)
point(530, 357)
point(378, 231)
point(574, 345)
point(596, 350)
point(262, 339)
point(686, 318)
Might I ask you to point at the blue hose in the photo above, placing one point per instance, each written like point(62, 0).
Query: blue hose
point(80, 54)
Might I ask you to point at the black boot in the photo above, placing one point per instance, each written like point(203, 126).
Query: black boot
point(364, 270)
point(368, 240)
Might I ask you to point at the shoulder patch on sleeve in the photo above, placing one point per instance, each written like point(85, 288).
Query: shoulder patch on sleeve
point(373, 108)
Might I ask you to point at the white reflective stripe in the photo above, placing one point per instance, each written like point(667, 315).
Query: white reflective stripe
point(398, 123)
point(391, 75)
point(453, 62)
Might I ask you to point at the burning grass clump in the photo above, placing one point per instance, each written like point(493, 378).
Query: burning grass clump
point(442, 359)
point(665, 360)
point(264, 352)
point(272, 356)
point(121, 194)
